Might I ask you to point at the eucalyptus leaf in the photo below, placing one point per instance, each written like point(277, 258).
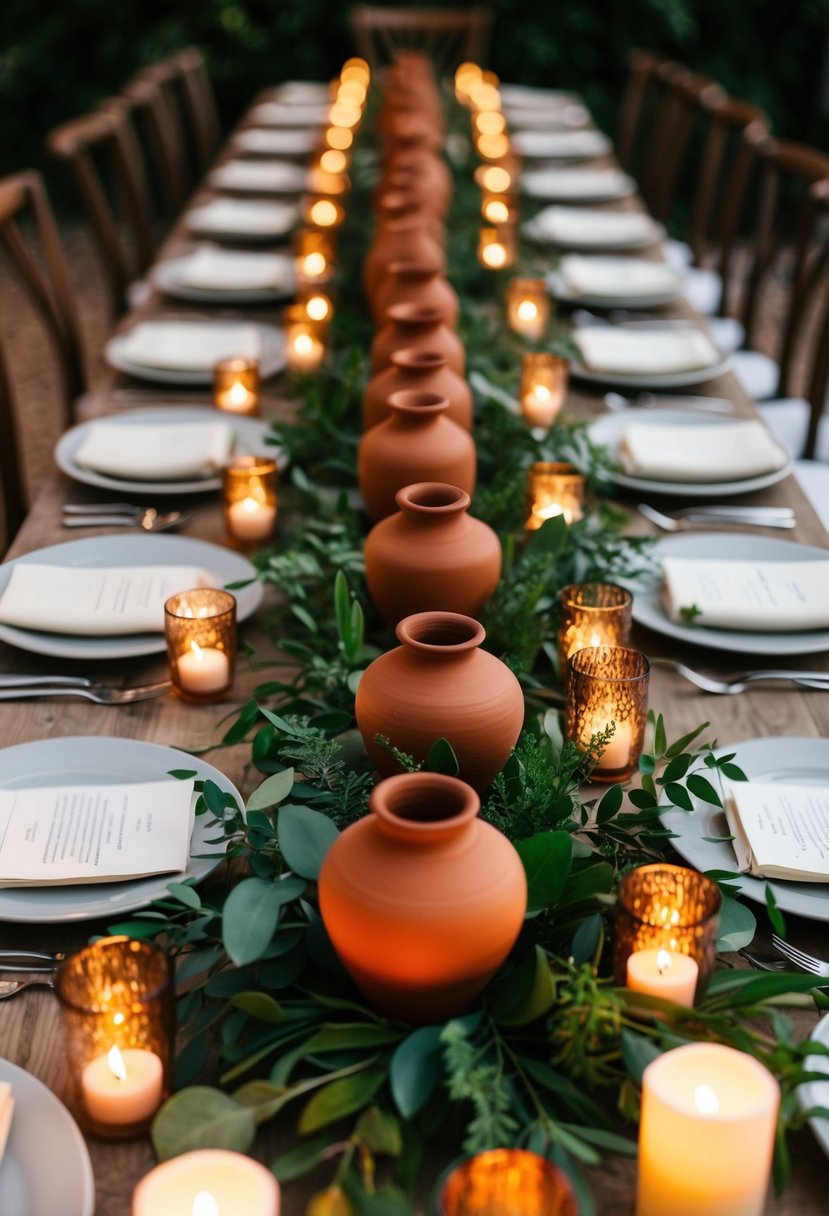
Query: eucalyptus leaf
point(305, 836)
point(736, 926)
point(415, 1070)
point(251, 914)
point(638, 1052)
point(201, 1117)
point(340, 1098)
point(546, 858)
point(273, 789)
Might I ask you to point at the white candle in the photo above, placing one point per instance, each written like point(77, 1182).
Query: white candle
point(706, 1133)
point(237, 399)
point(203, 669)
point(663, 973)
point(305, 352)
point(249, 519)
point(208, 1182)
point(618, 747)
point(123, 1087)
point(541, 406)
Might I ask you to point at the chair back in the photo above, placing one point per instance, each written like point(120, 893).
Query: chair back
point(161, 129)
point(446, 36)
point(639, 104)
point(184, 81)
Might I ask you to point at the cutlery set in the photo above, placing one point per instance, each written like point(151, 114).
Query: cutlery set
point(689, 517)
point(121, 515)
point(24, 688)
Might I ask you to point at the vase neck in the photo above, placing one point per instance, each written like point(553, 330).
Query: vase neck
point(414, 408)
point(430, 502)
point(424, 808)
point(441, 636)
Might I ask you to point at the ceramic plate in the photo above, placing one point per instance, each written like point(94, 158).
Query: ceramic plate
point(535, 98)
point(166, 276)
point(46, 1170)
point(698, 375)
point(727, 546)
point(272, 360)
point(236, 227)
point(559, 288)
point(611, 244)
point(790, 761)
point(249, 433)
point(99, 760)
point(273, 141)
point(570, 116)
point(535, 184)
point(227, 565)
point(608, 431)
point(560, 145)
point(816, 1093)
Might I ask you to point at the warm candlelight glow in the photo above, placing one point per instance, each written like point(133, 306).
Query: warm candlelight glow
point(498, 208)
point(116, 1063)
point(353, 91)
point(706, 1101)
point(200, 627)
point(313, 255)
point(528, 314)
point(507, 1182)
point(332, 160)
point(356, 69)
point(607, 691)
point(497, 179)
point(322, 182)
point(497, 247)
point(325, 213)
point(669, 975)
point(553, 488)
point(492, 147)
point(340, 138)
point(466, 75)
point(249, 497)
point(489, 122)
point(304, 342)
point(317, 306)
point(593, 614)
point(544, 378)
point(344, 114)
point(207, 1182)
point(205, 1205)
point(484, 95)
point(236, 386)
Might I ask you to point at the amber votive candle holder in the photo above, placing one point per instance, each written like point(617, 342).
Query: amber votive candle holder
point(667, 907)
point(608, 686)
point(507, 1182)
point(304, 340)
point(545, 380)
point(554, 487)
point(237, 386)
point(528, 314)
point(316, 305)
point(497, 246)
point(593, 614)
point(249, 498)
point(493, 147)
point(323, 212)
point(118, 1007)
point(313, 256)
point(499, 208)
point(501, 178)
point(200, 627)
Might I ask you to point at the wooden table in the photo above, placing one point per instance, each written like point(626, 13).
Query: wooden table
point(30, 1026)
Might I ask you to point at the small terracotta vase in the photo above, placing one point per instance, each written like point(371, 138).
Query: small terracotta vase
point(419, 174)
point(422, 900)
point(431, 555)
point(425, 371)
point(407, 237)
point(439, 684)
point(410, 282)
point(401, 204)
point(415, 327)
point(417, 442)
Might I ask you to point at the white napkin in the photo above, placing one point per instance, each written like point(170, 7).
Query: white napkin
point(771, 597)
point(652, 352)
point(155, 453)
point(278, 114)
point(532, 97)
point(548, 116)
point(591, 228)
point(273, 176)
point(94, 601)
point(560, 144)
point(213, 269)
point(276, 143)
point(617, 278)
point(190, 345)
point(576, 183)
point(242, 217)
point(302, 92)
point(6, 1112)
point(725, 451)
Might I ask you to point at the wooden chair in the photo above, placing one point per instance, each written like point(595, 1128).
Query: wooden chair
point(13, 502)
point(640, 104)
point(447, 36)
point(184, 81)
point(161, 129)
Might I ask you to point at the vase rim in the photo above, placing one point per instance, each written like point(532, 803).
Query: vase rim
point(416, 314)
point(440, 633)
point(448, 803)
point(411, 358)
point(430, 498)
point(416, 402)
point(414, 269)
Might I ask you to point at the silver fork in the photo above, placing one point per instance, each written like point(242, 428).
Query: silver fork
point(757, 517)
point(10, 988)
point(98, 693)
point(738, 684)
point(806, 962)
point(149, 520)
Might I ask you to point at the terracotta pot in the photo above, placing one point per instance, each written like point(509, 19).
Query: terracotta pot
point(431, 555)
point(413, 327)
point(403, 203)
point(407, 237)
point(423, 370)
point(422, 283)
point(439, 684)
point(417, 442)
point(420, 173)
point(422, 900)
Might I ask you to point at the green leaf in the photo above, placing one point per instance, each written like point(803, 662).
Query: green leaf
point(540, 997)
point(341, 1098)
point(778, 924)
point(380, 1132)
point(248, 717)
point(677, 748)
point(185, 894)
point(251, 914)
point(305, 836)
point(259, 1005)
point(549, 539)
point(736, 926)
point(679, 796)
point(546, 858)
point(610, 804)
point(442, 758)
point(415, 1070)
point(182, 774)
point(272, 790)
point(345, 1036)
point(587, 939)
point(638, 1052)
point(300, 1160)
point(703, 789)
point(660, 743)
point(733, 772)
point(201, 1117)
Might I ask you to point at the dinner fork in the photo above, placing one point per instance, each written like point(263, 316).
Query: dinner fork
point(757, 517)
point(10, 988)
point(148, 521)
point(806, 962)
point(98, 693)
point(739, 683)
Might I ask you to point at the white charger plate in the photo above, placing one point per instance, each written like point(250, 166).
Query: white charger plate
point(727, 546)
point(200, 223)
point(569, 116)
point(535, 97)
point(559, 288)
point(272, 359)
point(788, 761)
point(147, 550)
point(166, 276)
point(816, 1093)
point(609, 428)
point(249, 433)
point(697, 375)
point(46, 1170)
point(102, 760)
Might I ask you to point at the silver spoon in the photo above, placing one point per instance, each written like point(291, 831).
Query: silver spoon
point(9, 988)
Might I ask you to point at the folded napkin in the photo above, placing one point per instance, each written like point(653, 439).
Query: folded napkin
point(726, 451)
point(94, 601)
point(617, 278)
point(548, 116)
point(242, 217)
point(156, 453)
point(560, 144)
point(6, 1112)
point(590, 228)
point(652, 352)
point(302, 92)
point(771, 597)
point(190, 345)
point(576, 183)
point(274, 176)
point(278, 114)
point(533, 97)
point(214, 269)
point(276, 143)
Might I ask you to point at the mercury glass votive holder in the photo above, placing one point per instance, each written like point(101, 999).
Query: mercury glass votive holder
point(313, 256)
point(118, 1006)
point(507, 1182)
point(528, 312)
point(304, 340)
point(545, 380)
point(200, 628)
point(249, 499)
point(593, 614)
point(237, 386)
point(662, 906)
point(497, 246)
point(554, 487)
point(608, 686)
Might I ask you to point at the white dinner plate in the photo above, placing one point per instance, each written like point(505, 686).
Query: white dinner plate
point(585, 144)
point(727, 546)
point(272, 359)
point(571, 186)
point(788, 761)
point(275, 141)
point(533, 97)
point(570, 116)
point(241, 220)
point(166, 276)
point(649, 235)
point(227, 565)
point(656, 299)
point(249, 440)
point(816, 1093)
point(103, 760)
point(46, 1170)
point(697, 375)
point(609, 428)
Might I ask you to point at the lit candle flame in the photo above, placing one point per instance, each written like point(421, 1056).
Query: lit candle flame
point(663, 961)
point(549, 510)
point(197, 650)
point(541, 392)
point(303, 344)
point(527, 311)
point(116, 1064)
point(314, 264)
point(494, 255)
point(497, 211)
point(237, 394)
point(205, 1205)
point(119, 1019)
point(706, 1101)
point(318, 308)
point(324, 213)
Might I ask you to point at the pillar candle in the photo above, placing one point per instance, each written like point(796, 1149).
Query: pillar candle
point(207, 1182)
point(123, 1087)
point(203, 669)
point(663, 973)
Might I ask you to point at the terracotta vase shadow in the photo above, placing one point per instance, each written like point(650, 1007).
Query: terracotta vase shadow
point(439, 684)
point(422, 900)
point(417, 442)
point(431, 555)
point(419, 283)
point(425, 371)
point(411, 326)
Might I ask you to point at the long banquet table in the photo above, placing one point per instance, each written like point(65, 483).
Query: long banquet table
point(30, 1025)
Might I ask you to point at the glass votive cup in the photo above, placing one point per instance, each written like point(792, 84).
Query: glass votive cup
point(332, 160)
point(528, 311)
point(313, 256)
point(118, 1008)
point(249, 498)
point(356, 68)
point(488, 122)
point(316, 305)
point(593, 614)
point(200, 627)
point(237, 386)
point(507, 1182)
point(493, 147)
point(466, 74)
point(545, 380)
point(499, 208)
point(344, 113)
point(554, 487)
point(340, 138)
point(332, 185)
point(323, 212)
point(608, 686)
point(497, 246)
point(668, 907)
point(304, 340)
point(497, 179)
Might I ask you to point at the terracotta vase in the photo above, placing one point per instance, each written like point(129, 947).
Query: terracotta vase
point(407, 237)
point(417, 442)
point(403, 203)
point(414, 327)
point(421, 283)
point(431, 555)
point(439, 684)
point(422, 900)
point(427, 372)
point(420, 173)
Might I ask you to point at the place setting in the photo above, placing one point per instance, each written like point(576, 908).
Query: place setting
point(651, 355)
point(587, 229)
point(275, 141)
point(210, 274)
point(259, 177)
point(576, 185)
point(585, 144)
point(596, 281)
point(245, 220)
point(183, 351)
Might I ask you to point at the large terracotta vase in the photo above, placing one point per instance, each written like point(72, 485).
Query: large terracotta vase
point(431, 555)
point(422, 900)
point(415, 327)
point(427, 372)
point(417, 442)
point(439, 684)
point(410, 236)
point(420, 283)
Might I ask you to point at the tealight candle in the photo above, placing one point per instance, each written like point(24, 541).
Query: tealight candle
point(593, 614)
point(313, 255)
point(499, 208)
point(466, 75)
point(356, 68)
point(200, 626)
point(507, 1182)
point(663, 973)
point(207, 1182)
point(492, 147)
point(497, 246)
point(203, 670)
point(304, 345)
point(340, 138)
point(249, 498)
point(706, 1133)
point(316, 305)
point(553, 488)
point(544, 378)
point(528, 311)
point(324, 212)
point(607, 686)
point(497, 179)
point(123, 1087)
point(236, 386)
point(488, 122)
